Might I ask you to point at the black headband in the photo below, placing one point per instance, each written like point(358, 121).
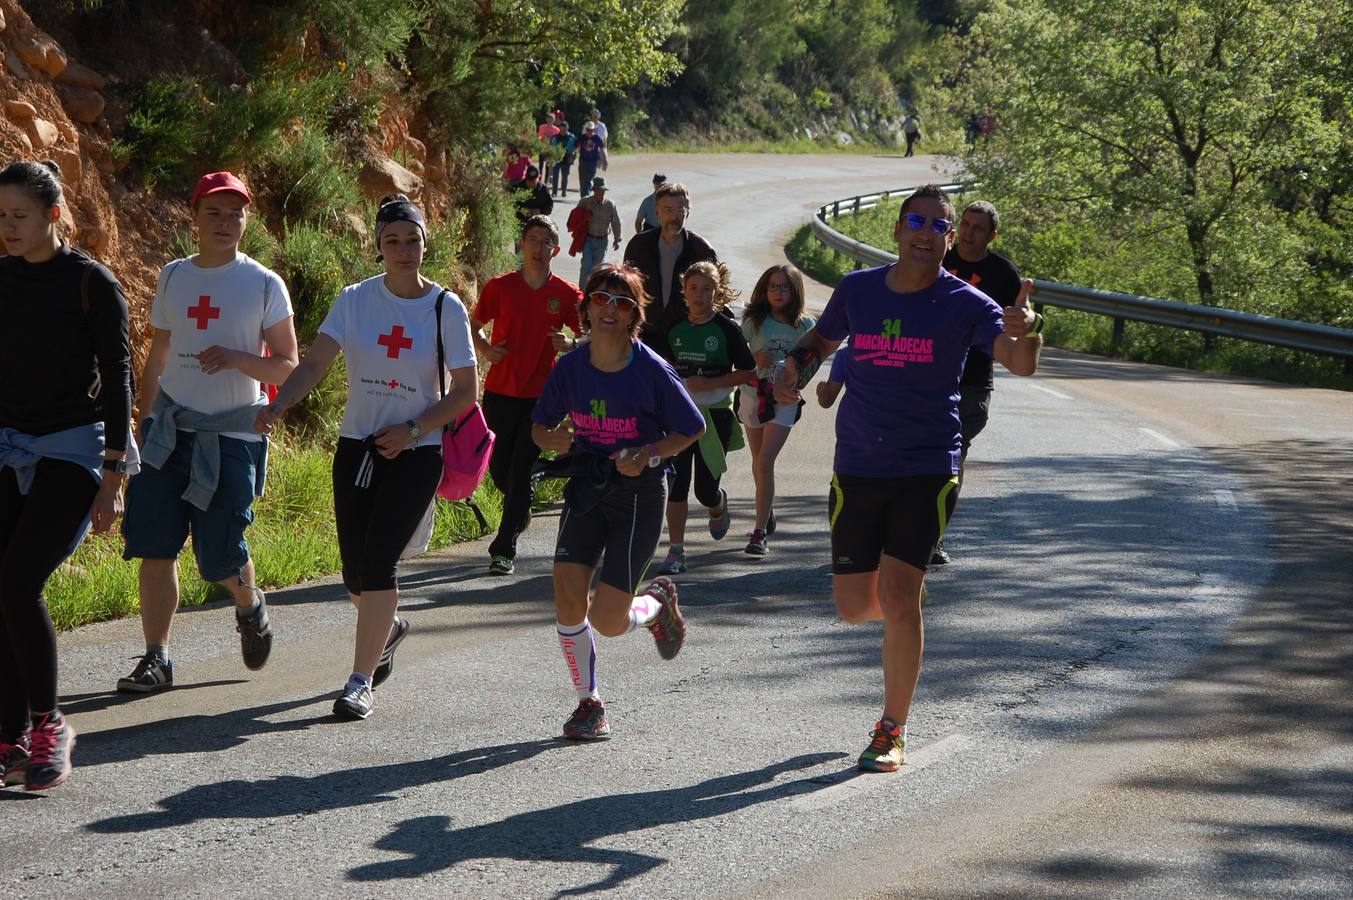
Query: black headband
point(399, 211)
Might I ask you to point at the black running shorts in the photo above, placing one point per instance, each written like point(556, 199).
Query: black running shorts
point(623, 526)
point(902, 517)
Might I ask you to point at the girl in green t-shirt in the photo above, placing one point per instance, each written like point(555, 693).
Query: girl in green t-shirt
point(712, 357)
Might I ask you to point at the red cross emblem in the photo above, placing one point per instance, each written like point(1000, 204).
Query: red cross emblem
point(204, 312)
point(393, 384)
point(395, 341)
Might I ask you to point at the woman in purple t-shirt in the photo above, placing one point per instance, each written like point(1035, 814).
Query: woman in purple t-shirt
point(616, 411)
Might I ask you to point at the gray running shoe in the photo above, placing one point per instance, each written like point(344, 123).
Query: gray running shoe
point(669, 628)
point(150, 674)
point(398, 631)
point(14, 760)
point(52, 740)
point(255, 634)
point(355, 702)
point(674, 564)
point(588, 722)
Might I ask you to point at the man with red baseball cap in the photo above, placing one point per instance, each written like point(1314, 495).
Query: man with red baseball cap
point(216, 182)
point(214, 314)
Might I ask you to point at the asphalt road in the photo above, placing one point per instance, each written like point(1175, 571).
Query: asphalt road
point(1137, 678)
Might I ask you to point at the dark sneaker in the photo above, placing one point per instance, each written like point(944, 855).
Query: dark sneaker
point(939, 557)
point(398, 631)
point(150, 674)
point(355, 702)
point(501, 565)
point(255, 634)
point(770, 525)
point(52, 740)
point(14, 761)
point(718, 525)
point(669, 628)
point(756, 543)
point(674, 564)
point(588, 722)
point(886, 751)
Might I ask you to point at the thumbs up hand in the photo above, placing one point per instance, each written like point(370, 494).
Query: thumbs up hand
point(1018, 319)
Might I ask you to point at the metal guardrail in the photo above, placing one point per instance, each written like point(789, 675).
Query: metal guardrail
point(1212, 320)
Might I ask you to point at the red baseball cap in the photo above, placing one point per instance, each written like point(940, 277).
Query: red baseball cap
point(215, 182)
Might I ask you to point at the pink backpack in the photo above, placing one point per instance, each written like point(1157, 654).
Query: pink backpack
point(467, 443)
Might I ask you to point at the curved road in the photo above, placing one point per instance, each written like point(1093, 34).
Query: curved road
point(1137, 678)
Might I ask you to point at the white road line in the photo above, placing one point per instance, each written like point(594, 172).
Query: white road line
point(1047, 390)
point(1164, 441)
point(852, 783)
point(1226, 499)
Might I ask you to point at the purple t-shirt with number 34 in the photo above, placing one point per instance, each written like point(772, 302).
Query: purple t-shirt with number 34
point(639, 405)
point(899, 415)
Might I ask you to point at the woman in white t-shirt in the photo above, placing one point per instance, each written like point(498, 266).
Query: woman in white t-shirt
point(773, 321)
point(388, 462)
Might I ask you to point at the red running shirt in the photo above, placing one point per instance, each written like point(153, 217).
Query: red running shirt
point(524, 318)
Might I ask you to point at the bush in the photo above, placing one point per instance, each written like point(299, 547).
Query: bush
point(163, 129)
point(307, 180)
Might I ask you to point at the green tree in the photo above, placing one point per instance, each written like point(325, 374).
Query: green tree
point(1161, 122)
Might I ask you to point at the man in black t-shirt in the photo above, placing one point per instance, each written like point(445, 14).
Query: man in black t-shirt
point(991, 273)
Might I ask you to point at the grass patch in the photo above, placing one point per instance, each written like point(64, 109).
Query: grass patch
point(814, 259)
point(293, 539)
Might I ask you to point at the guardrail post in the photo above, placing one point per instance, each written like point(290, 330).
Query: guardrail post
point(857, 205)
point(836, 210)
point(1117, 340)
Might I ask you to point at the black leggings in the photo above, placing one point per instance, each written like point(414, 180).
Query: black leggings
point(706, 483)
point(514, 453)
point(37, 533)
point(376, 522)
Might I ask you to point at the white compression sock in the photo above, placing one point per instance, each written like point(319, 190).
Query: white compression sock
point(643, 611)
point(580, 655)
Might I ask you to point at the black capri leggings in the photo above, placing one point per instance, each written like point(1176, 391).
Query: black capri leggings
point(376, 522)
point(37, 532)
point(706, 483)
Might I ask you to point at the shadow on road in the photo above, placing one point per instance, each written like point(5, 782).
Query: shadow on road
point(1252, 787)
point(565, 833)
point(289, 795)
point(75, 704)
point(190, 734)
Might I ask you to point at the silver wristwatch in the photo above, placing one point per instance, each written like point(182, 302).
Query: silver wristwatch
point(414, 431)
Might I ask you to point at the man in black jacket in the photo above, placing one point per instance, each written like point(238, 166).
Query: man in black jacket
point(662, 254)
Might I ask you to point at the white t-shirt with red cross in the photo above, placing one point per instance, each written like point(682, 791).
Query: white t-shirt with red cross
point(390, 347)
point(229, 306)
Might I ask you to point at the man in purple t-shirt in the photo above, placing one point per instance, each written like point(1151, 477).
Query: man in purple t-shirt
point(898, 439)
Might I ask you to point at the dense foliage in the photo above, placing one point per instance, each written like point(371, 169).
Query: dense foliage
point(1194, 150)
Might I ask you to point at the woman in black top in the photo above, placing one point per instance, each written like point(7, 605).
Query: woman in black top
point(65, 409)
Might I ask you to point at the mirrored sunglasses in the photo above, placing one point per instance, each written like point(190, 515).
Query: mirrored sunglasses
point(917, 222)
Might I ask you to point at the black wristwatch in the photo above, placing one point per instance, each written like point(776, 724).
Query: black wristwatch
point(115, 465)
